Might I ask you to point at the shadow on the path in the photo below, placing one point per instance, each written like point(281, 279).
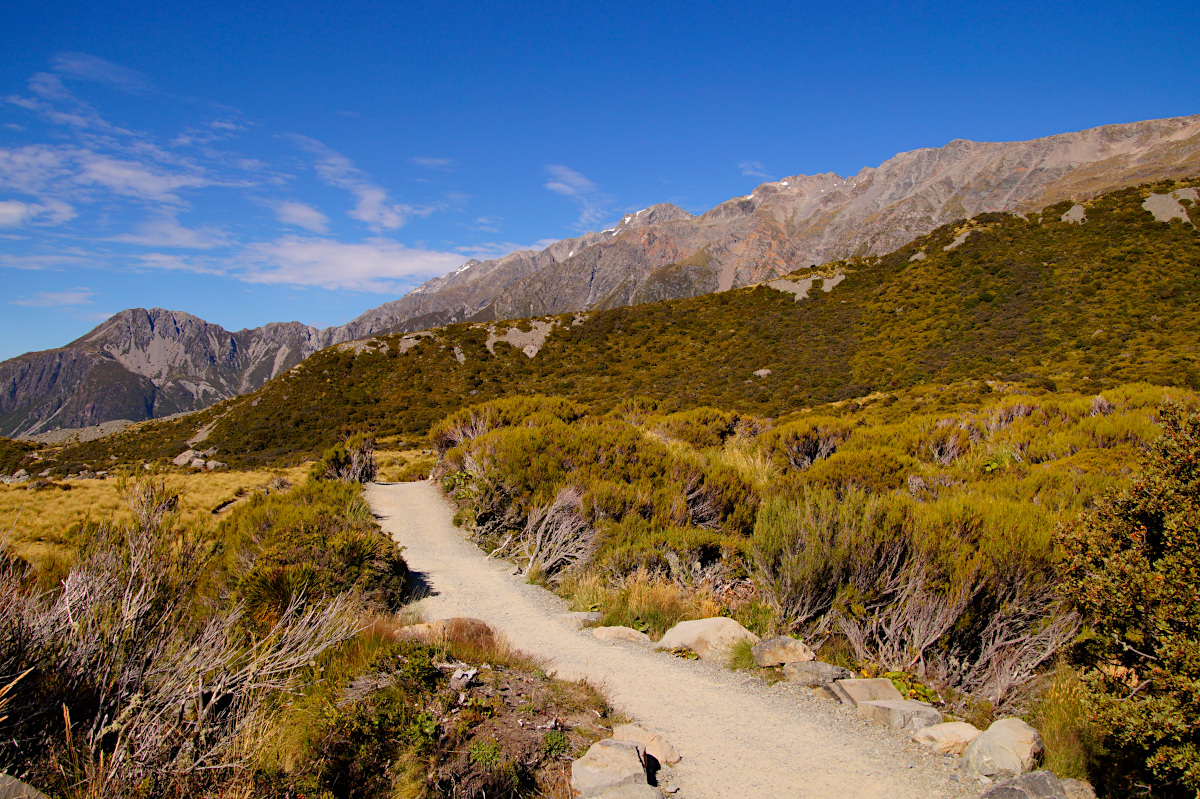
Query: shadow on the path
point(418, 587)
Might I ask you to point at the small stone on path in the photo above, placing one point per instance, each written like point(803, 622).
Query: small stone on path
point(950, 738)
point(580, 619)
point(900, 714)
point(621, 634)
point(814, 673)
point(781, 650)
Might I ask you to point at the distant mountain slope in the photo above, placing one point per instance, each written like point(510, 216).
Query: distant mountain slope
point(144, 364)
point(1079, 298)
point(141, 364)
point(665, 253)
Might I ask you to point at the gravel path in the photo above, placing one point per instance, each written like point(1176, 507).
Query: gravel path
point(738, 738)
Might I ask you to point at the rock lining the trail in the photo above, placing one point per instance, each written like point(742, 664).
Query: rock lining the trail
point(711, 639)
point(618, 633)
point(781, 650)
point(608, 764)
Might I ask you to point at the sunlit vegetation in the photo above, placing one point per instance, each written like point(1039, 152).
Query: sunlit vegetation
point(259, 654)
point(1034, 300)
point(913, 533)
point(43, 522)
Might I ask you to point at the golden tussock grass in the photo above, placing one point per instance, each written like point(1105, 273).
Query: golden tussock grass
point(40, 523)
point(1061, 717)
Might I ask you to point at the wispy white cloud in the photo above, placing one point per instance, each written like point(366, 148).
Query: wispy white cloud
point(167, 232)
point(377, 265)
point(34, 262)
point(32, 169)
point(433, 163)
point(754, 169)
point(566, 181)
point(173, 262)
point(489, 250)
point(487, 224)
point(50, 299)
point(132, 187)
point(14, 213)
point(98, 70)
point(137, 179)
point(301, 215)
point(569, 183)
point(373, 207)
point(54, 103)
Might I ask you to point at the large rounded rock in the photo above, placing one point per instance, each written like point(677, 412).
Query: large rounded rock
point(608, 764)
point(657, 746)
point(814, 673)
point(463, 629)
point(12, 788)
point(781, 650)
point(950, 738)
point(711, 639)
point(1007, 749)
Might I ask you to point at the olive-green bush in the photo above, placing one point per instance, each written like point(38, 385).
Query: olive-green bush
point(1132, 569)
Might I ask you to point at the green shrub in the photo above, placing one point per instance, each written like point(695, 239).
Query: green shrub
point(1131, 569)
point(874, 470)
point(800, 444)
point(805, 547)
point(351, 460)
point(700, 428)
point(316, 540)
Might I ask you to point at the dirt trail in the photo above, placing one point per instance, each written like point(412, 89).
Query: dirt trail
point(738, 739)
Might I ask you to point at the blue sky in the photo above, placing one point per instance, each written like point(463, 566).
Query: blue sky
point(252, 162)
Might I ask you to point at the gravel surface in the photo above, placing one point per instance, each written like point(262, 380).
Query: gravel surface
point(739, 738)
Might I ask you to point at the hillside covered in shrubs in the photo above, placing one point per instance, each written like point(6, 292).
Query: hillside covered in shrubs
point(1037, 299)
point(931, 534)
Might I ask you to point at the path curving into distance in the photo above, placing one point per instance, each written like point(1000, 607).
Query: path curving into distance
point(739, 740)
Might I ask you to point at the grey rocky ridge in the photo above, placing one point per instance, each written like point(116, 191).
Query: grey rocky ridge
point(148, 364)
point(142, 364)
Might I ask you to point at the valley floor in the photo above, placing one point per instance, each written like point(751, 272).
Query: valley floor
point(738, 738)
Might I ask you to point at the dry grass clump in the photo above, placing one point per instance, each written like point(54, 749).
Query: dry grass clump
point(1060, 715)
point(642, 600)
point(404, 466)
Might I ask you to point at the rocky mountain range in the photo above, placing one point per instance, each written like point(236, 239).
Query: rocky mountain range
point(146, 364)
point(143, 364)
